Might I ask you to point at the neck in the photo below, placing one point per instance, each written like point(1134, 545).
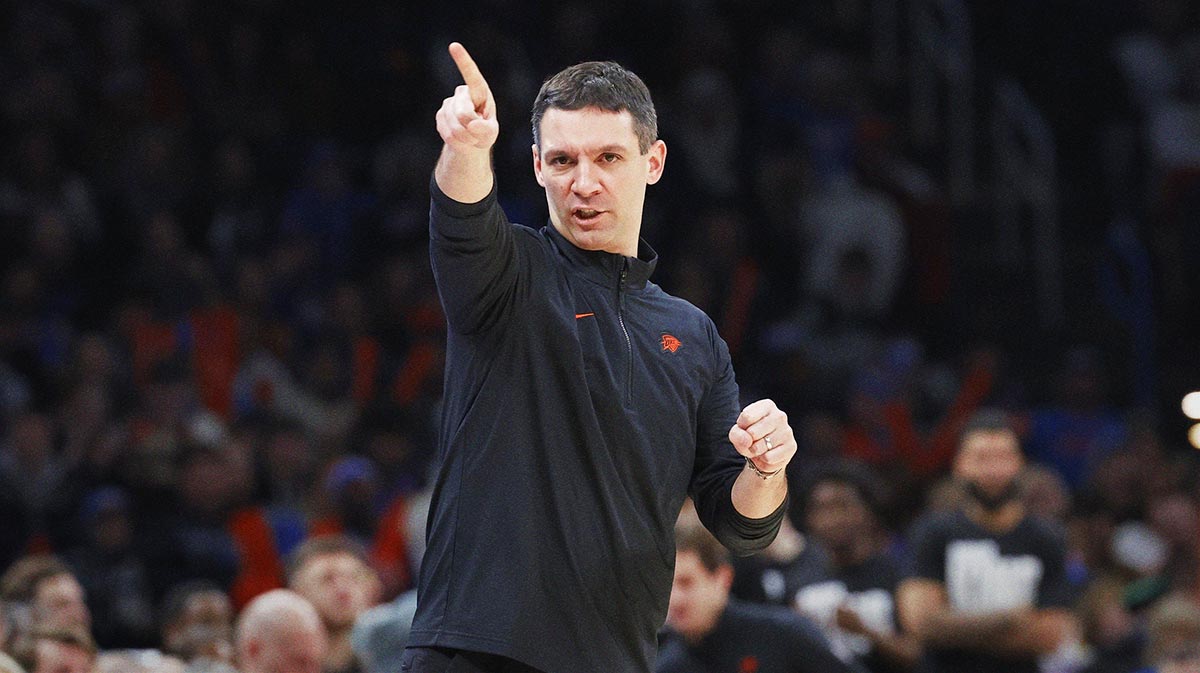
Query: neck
point(860, 549)
point(340, 656)
point(1000, 520)
point(694, 636)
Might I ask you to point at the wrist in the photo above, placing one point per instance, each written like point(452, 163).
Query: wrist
point(761, 474)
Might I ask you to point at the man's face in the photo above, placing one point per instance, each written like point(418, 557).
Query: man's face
point(339, 586)
point(59, 602)
point(990, 459)
point(698, 597)
point(836, 514)
point(595, 177)
point(293, 648)
point(205, 627)
point(56, 657)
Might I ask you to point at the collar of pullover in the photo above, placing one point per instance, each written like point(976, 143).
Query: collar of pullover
point(606, 267)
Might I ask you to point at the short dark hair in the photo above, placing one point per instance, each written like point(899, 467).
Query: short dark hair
point(986, 420)
point(859, 477)
point(693, 537)
point(176, 601)
point(323, 545)
point(600, 84)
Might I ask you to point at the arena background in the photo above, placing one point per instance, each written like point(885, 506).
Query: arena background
point(215, 287)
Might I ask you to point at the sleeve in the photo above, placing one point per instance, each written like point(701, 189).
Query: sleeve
point(928, 550)
point(718, 465)
point(472, 249)
point(1054, 591)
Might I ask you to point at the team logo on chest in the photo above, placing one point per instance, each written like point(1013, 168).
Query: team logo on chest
point(670, 343)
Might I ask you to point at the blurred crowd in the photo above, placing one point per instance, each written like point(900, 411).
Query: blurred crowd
point(220, 343)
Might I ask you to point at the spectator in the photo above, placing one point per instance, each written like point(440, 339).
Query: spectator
point(1173, 644)
point(854, 603)
point(1080, 428)
point(280, 632)
point(197, 623)
point(333, 573)
point(49, 589)
point(710, 631)
point(58, 650)
point(987, 590)
point(113, 573)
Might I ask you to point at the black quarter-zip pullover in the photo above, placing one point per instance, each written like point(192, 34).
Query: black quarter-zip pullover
point(582, 404)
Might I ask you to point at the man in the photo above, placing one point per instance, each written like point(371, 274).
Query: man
point(988, 589)
point(197, 622)
point(280, 632)
point(57, 650)
point(54, 596)
point(582, 403)
point(854, 602)
point(709, 631)
point(333, 574)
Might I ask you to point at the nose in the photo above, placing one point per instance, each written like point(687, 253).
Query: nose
point(587, 179)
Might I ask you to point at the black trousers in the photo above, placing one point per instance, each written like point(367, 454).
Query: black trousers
point(442, 660)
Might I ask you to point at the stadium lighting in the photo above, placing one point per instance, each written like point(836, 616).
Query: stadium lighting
point(1191, 405)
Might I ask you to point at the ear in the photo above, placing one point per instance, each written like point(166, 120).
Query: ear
point(656, 157)
point(537, 165)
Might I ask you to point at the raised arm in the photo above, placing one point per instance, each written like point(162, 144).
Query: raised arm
point(468, 126)
point(762, 435)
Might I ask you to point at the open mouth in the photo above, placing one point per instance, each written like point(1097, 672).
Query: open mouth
point(586, 215)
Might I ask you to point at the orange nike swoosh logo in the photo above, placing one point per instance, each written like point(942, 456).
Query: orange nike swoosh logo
point(583, 315)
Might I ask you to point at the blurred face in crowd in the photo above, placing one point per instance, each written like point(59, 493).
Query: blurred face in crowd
point(292, 647)
point(836, 515)
point(698, 596)
point(989, 461)
point(58, 602)
point(595, 176)
point(340, 587)
point(58, 657)
point(205, 627)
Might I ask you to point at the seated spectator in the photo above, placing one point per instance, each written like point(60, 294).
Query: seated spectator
point(54, 598)
point(113, 572)
point(1173, 637)
point(854, 603)
point(197, 623)
point(57, 650)
point(710, 631)
point(988, 588)
point(333, 573)
point(280, 632)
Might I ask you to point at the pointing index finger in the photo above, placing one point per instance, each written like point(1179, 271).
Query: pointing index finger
point(474, 80)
